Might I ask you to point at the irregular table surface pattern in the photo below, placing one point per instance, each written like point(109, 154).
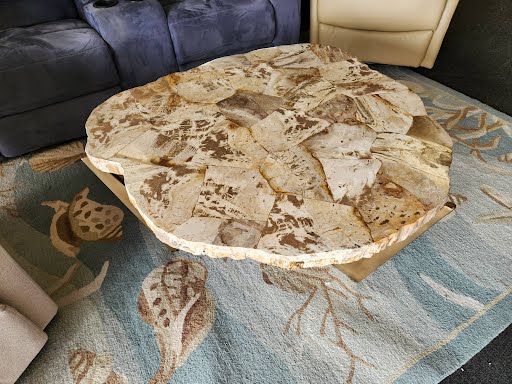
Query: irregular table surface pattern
point(296, 156)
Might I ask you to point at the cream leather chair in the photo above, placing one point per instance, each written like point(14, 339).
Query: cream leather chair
point(401, 32)
point(25, 310)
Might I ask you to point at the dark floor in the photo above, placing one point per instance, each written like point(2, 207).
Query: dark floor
point(476, 55)
point(492, 365)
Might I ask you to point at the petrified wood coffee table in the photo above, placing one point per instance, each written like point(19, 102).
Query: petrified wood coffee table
point(296, 156)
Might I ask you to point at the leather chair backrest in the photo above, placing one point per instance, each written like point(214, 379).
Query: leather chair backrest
point(22, 13)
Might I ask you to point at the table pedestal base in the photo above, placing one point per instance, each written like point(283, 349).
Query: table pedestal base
point(357, 270)
point(361, 269)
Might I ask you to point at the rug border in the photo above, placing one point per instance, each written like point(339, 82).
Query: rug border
point(491, 312)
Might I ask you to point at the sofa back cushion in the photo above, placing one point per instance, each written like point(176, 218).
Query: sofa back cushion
point(203, 30)
point(167, 2)
point(22, 13)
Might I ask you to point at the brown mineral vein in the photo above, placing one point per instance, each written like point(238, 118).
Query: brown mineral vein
point(234, 194)
point(285, 128)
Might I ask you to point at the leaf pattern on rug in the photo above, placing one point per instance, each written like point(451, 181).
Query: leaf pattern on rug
point(503, 217)
point(321, 284)
point(456, 298)
point(458, 122)
point(471, 136)
point(83, 220)
point(505, 158)
point(176, 304)
point(457, 198)
point(57, 158)
point(88, 367)
point(78, 294)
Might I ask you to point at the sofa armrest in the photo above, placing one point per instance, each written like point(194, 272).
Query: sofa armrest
point(20, 341)
point(287, 21)
point(138, 35)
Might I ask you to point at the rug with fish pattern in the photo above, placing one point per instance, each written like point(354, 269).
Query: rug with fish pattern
point(133, 311)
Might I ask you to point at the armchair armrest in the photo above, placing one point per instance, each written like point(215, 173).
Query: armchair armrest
point(138, 35)
point(21, 340)
point(18, 290)
point(287, 21)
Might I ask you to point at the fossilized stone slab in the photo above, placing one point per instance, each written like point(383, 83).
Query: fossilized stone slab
point(234, 193)
point(407, 101)
point(382, 116)
point(350, 179)
point(340, 109)
point(427, 187)
point(252, 78)
point(210, 91)
point(342, 141)
point(355, 79)
point(163, 192)
point(426, 129)
point(308, 226)
point(419, 166)
point(310, 94)
point(296, 171)
point(293, 156)
point(424, 156)
point(248, 108)
point(389, 208)
point(286, 128)
point(298, 56)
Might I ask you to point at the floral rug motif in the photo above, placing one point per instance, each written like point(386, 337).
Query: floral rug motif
point(133, 311)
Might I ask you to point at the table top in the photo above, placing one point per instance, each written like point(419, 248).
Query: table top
point(295, 156)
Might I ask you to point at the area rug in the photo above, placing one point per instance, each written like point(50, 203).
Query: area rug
point(133, 311)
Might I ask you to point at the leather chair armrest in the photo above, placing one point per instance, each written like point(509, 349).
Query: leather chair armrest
point(138, 34)
point(20, 341)
point(18, 290)
point(439, 33)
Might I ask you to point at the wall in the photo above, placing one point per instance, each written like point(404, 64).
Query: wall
point(476, 55)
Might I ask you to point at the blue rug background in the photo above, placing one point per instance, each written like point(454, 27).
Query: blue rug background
point(415, 320)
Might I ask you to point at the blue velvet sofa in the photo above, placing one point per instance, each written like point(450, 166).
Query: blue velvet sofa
point(61, 58)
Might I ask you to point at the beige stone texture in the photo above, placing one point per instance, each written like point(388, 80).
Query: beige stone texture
point(294, 156)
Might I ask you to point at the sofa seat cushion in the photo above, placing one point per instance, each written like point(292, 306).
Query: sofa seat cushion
point(204, 29)
point(52, 62)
